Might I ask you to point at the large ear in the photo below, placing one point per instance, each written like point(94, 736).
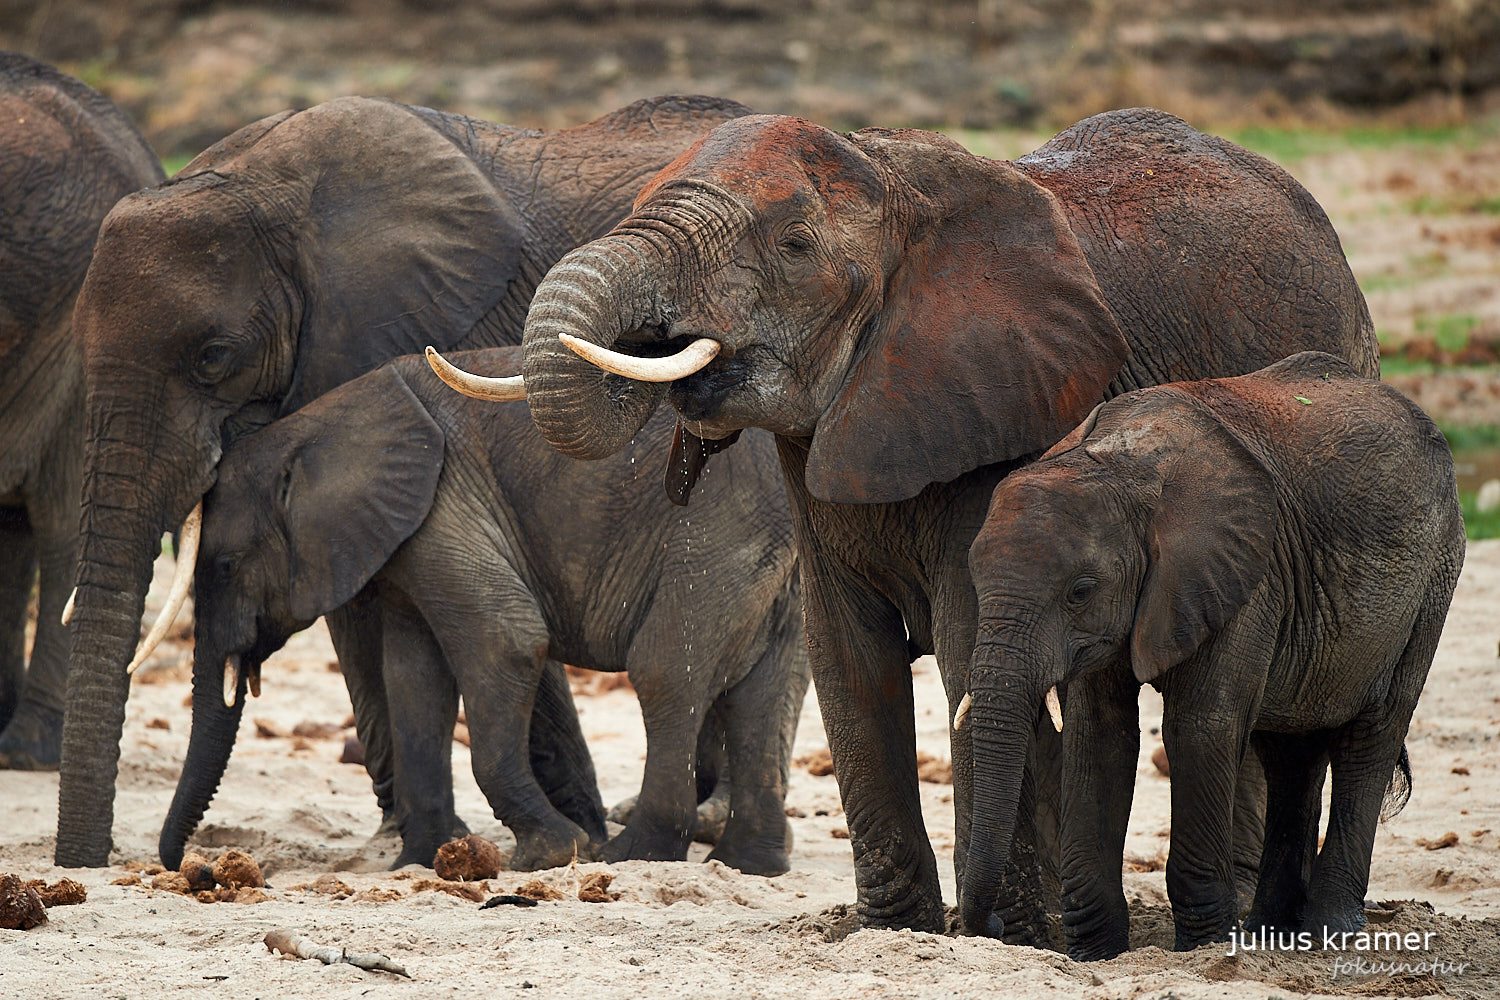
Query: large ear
point(359, 482)
point(1209, 537)
point(993, 340)
point(396, 238)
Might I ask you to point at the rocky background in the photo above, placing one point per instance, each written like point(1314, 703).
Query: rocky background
point(190, 71)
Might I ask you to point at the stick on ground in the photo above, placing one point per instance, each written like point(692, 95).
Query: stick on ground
point(289, 942)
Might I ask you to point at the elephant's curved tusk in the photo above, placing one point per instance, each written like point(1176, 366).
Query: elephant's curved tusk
point(231, 679)
point(1054, 708)
point(680, 365)
point(962, 714)
point(67, 614)
point(500, 390)
point(182, 579)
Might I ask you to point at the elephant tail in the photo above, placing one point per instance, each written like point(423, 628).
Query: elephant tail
point(1399, 790)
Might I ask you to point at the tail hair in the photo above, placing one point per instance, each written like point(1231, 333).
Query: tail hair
point(1399, 790)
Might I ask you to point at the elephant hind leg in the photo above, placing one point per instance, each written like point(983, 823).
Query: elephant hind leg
point(1295, 767)
point(760, 726)
point(17, 573)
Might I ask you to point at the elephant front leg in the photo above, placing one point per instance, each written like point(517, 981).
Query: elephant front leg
point(560, 757)
point(1101, 743)
point(33, 738)
point(357, 633)
point(862, 674)
point(17, 572)
point(1206, 735)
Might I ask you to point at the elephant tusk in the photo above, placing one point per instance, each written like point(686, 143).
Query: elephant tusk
point(67, 614)
point(182, 579)
point(231, 679)
point(1054, 708)
point(255, 683)
point(680, 365)
point(501, 390)
point(962, 714)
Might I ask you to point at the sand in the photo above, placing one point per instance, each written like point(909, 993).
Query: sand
point(692, 929)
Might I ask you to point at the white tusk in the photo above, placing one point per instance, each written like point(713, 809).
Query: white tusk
point(182, 579)
point(231, 680)
point(963, 711)
point(500, 390)
point(680, 365)
point(67, 614)
point(1054, 708)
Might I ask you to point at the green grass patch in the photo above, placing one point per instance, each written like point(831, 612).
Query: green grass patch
point(1477, 525)
point(172, 164)
point(1288, 145)
point(1450, 332)
point(1455, 204)
point(1470, 437)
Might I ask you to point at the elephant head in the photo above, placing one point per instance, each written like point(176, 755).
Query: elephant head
point(303, 514)
point(913, 310)
point(295, 254)
point(1132, 541)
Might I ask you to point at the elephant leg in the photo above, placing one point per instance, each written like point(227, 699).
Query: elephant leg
point(861, 670)
point(499, 681)
point(423, 707)
point(357, 630)
point(755, 837)
point(1249, 828)
point(17, 573)
point(1101, 739)
point(1206, 730)
point(33, 739)
point(560, 757)
point(712, 780)
point(1296, 765)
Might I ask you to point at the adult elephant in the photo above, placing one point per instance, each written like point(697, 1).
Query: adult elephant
point(912, 322)
point(297, 253)
point(66, 156)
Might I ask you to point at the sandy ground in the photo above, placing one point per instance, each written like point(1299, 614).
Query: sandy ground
point(690, 929)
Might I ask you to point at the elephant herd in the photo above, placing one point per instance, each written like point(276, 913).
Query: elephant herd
point(1103, 416)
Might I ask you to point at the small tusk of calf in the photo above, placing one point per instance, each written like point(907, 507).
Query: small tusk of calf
point(1054, 708)
point(963, 711)
point(67, 614)
point(231, 680)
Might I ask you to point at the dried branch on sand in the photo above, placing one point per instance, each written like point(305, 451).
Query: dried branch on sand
point(289, 942)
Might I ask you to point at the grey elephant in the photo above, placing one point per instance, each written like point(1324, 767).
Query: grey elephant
point(66, 156)
point(488, 555)
point(913, 322)
point(1276, 554)
point(299, 252)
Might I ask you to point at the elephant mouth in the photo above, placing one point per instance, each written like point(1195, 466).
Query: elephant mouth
point(701, 395)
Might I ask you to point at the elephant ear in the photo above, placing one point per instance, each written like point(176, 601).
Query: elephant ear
point(358, 482)
point(404, 241)
point(1209, 537)
point(992, 342)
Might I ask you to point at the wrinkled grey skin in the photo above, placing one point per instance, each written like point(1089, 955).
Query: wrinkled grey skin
point(914, 322)
point(299, 252)
point(489, 556)
point(66, 155)
point(1275, 553)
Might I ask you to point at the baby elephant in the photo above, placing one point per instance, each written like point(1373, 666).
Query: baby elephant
point(1275, 553)
point(491, 556)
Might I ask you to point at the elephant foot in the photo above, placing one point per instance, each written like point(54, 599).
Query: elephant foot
point(713, 814)
point(552, 847)
point(755, 855)
point(390, 828)
point(1331, 923)
point(33, 740)
point(638, 843)
point(1098, 930)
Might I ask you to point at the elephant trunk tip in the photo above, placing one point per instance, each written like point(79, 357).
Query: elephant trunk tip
point(980, 919)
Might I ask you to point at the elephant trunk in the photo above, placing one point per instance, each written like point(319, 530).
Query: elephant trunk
point(596, 294)
point(214, 727)
point(129, 496)
point(1003, 717)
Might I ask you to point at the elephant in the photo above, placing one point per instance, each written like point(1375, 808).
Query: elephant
point(66, 156)
point(913, 322)
point(1275, 553)
point(491, 554)
point(295, 254)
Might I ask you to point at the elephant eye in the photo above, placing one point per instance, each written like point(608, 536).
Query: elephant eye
point(213, 361)
point(1083, 588)
point(797, 241)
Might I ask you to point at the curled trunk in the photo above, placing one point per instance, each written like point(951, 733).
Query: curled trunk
point(597, 293)
point(214, 727)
